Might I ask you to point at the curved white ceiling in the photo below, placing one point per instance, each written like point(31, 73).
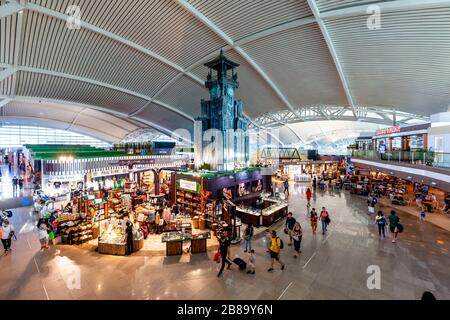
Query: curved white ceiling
point(140, 63)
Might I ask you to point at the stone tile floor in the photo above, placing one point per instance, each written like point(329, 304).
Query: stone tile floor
point(333, 266)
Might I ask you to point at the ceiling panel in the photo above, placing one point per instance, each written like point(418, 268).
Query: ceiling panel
point(405, 64)
point(162, 26)
point(165, 118)
point(185, 95)
point(240, 19)
point(299, 62)
point(8, 27)
point(48, 44)
point(52, 87)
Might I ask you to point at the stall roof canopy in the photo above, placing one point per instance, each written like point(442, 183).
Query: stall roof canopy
point(55, 152)
point(128, 65)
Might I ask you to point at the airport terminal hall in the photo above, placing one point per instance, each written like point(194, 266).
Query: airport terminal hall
point(243, 151)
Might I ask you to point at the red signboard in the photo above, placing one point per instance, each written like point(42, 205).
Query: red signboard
point(388, 131)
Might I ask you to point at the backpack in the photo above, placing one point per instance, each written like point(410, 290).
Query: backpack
point(281, 243)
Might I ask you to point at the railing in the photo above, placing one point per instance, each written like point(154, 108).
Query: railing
point(426, 158)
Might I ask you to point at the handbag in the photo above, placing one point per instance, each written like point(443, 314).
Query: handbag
point(400, 228)
point(327, 220)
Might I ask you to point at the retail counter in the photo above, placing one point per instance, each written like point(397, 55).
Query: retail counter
point(174, 242)
point(274, 210)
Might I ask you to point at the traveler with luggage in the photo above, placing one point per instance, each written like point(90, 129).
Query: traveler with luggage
point(224, 249)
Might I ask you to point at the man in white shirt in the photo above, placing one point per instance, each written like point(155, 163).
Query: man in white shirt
point(7, 234)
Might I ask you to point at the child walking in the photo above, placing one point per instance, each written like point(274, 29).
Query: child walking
point(43, 236)
point(251, 262)
point(423, 213)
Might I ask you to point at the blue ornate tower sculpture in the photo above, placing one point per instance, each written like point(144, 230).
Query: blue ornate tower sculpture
point(222, 115)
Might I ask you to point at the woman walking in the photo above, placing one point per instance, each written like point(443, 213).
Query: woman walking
point(297, 234)
point(308, 195)
point(381, 223)
point(324, 219)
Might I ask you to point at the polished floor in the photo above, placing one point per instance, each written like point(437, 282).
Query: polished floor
point(331, 266)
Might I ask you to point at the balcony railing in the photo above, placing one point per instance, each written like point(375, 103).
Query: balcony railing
point(425, 158)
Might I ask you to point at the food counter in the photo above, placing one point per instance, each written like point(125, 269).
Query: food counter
point(113, 241)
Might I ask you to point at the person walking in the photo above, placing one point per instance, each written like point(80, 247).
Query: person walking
point(308, 195)
point(313, 219)
point(20, 183)
point(286, 186)
point(15, 181)
point(268, 238)
point(381, 223)
point(7, 234)
point(248, 236)
point(129, 232)
point(251, 262)
point(43, 235)
point(297, 234)
point(315, 182)
point(224, 248)
point(275, 249)
point(324, 219)
point(393, 225)
point(289, 226)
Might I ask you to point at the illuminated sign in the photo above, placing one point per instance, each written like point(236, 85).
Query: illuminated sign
point(388, 131)
point(188, 185)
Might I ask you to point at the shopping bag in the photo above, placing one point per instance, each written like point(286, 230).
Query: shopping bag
point(371, 209)
point(217, 257)
point(51, 236)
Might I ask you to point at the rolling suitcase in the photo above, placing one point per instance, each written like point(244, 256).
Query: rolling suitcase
point(241, 263)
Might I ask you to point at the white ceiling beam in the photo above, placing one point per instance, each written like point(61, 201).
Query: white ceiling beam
point(10, 8)
point(105, 85)
point(385, 7)
point(7, 72)
point(202, 18)
point(326, 35)
point(4, 102)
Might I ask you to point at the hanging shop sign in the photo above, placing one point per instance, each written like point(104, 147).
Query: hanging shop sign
point(188, 185)
point(390, 130)
point(65, 178)
point(132, 162)
point(109, 172)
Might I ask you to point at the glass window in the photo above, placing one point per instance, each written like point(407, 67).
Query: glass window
point(17, 136)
